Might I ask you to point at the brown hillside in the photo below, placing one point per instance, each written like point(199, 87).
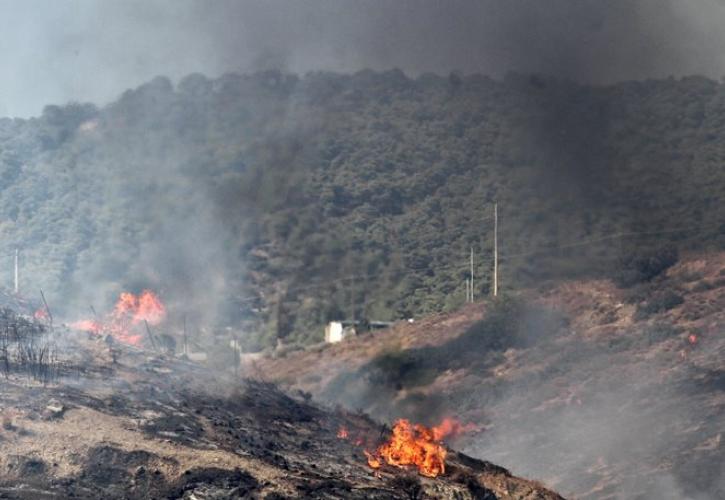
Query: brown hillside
point(626, 399)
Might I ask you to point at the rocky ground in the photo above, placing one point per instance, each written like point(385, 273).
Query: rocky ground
point(156, 427)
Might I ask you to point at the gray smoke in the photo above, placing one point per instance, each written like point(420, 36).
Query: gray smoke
point(86, 50)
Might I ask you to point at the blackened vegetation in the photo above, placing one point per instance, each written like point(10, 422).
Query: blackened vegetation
point(642, 274)
point(172, 401)
point(25, 348)
point(113, 472)
point(110, 472)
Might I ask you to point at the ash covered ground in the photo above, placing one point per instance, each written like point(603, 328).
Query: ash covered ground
point(154, 426)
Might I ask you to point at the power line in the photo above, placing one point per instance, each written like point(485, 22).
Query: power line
point(608, 238)
point(503, 257)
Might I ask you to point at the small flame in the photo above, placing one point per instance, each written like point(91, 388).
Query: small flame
point(450, 427)
point(417, 445)
point(692, 339)
point(342, 433)
point(87, 325)
point(373, 461)
point(41, 314)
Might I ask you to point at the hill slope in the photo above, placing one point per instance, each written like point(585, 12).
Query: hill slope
point(600, 391)
point(153, 427)
point(272, 203)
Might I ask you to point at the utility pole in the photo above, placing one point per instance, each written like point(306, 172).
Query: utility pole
point(352, 298)
point(495, 249)
point(186, 342)
point(47, 309)
point(471, 274)
point(468, 291)
point(17, 280)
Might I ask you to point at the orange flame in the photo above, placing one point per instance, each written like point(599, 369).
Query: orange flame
point(136, 309)
point(41, 314)
point(128, 313)
point(417, 445)
point(342, 433)
point(692, 339)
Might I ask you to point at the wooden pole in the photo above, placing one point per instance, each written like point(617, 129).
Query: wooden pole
point(186, 344)
point(151, 337)
point(495, 249)
point(47, 309)
point(17, 273)
point(471, 274)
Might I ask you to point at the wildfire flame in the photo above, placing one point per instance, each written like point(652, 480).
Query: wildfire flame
point(417, 445)
point(342, 433)
point(87, 325)
point(41, 314)
point(692, 339)
point(127, 315)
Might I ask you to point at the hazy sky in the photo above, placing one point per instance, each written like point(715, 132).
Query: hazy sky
point(54, 51)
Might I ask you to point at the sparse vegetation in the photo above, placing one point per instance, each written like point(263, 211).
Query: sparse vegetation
point(25, 348)
point(703, 286)
point(660, 302)
point(642, 266)
point(659, 331)
point(509, 322)
point(400, 368)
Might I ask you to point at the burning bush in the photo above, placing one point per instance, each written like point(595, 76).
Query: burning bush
point(416, 445)
point(129, 313)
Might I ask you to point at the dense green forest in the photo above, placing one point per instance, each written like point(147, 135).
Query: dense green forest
point(271, 203)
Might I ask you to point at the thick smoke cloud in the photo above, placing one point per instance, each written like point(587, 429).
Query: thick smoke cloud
point(86, 50)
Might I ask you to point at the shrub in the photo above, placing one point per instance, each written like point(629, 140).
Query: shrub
point(659, 331)
point(661, 302)
point(400, 368)
point(643, 266)
point(703, 286)
point(638, 293)
point(510, 322)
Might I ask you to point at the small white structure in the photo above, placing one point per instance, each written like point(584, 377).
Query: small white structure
point(335, 331)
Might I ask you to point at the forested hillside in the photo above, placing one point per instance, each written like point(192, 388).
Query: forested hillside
point(271, 203)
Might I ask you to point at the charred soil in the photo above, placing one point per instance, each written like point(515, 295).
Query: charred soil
point(156, 427)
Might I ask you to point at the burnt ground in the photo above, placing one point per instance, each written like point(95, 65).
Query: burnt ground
point(155, 427)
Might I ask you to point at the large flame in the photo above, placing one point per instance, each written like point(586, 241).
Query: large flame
point(128, 314)
point(417, 445)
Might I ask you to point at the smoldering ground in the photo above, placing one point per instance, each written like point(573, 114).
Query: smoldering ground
point(629, 415)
